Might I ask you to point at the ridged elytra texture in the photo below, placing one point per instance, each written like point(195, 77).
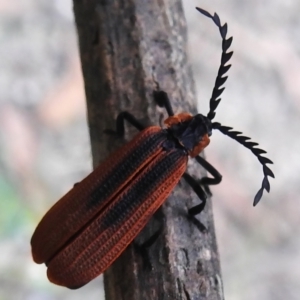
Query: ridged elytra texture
point(91, 225)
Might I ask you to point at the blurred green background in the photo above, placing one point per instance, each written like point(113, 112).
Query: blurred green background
point(44, 142)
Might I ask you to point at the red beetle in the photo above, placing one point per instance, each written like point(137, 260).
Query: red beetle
point(89, 227)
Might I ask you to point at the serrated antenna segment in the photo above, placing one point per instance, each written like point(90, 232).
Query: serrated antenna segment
point(244, 140)
point(217, 90)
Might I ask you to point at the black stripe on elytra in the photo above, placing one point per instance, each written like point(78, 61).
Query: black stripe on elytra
point(116, 177)
point(125, 168)
point(141, 190)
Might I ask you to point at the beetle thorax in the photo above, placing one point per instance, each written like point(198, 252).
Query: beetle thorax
point(192, 132)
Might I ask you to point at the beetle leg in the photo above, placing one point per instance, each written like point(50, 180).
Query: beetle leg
point(161, 98)
point(121, 118)
point(143, 249)
point(205, 181)
point(217, 177)
point(195, 185)
point(150, 241)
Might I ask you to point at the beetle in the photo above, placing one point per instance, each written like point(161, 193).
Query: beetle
point(88, 228)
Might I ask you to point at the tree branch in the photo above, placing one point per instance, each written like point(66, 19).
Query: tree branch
point(126, 46)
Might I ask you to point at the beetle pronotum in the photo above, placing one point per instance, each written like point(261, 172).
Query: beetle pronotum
point(89, 227)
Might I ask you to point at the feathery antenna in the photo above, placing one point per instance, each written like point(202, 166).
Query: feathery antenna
point(217, 90)
point(244, 140)
point(214, 102)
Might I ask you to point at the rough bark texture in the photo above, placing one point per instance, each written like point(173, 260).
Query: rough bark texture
point(125, 46)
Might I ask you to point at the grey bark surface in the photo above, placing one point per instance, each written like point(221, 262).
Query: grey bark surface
point(126, 46)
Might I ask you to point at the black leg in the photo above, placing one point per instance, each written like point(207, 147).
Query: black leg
point(143, 249)
point(199, 192)
point(217, 177)
point(161, 98)
point(120, 123)
point(205, 181)
point(151, 240)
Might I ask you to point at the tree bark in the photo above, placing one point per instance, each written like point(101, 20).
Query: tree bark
point(125, 47)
